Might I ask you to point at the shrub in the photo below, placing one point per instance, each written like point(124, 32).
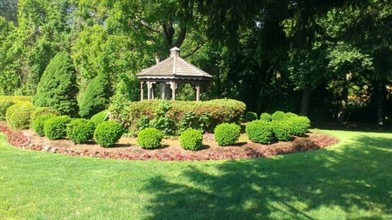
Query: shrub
point(18, 116)
point(265, 116)
point(43, 111)
point(56, 127)
point(214, 111)
point(4, 105)
point(162, 121)
point(227, 134)
point(191, 139)
point(278, 116)
point(100, 117)
point(290, 115)
point(299, 125)
point(191, 120)
point(58, 88)
point(38, 123)
point(96, 97)
point(108, 133)
point(282, 130)
point(80, 130)
point(250, 116)
point(259, 131)
point(150, 138)
point(16, 99)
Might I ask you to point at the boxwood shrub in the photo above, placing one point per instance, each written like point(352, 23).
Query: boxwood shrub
point(218, 111)
point(227, 134)
point(150, 138)
point(282, 130)
point(80, 130)
point(191, 139)
point(4, 105)
point(108, 133)
point(100, 117)
point(38, 123)
point(299, 125)
point(278, 116)
point(259, 131)
point(251, 116)
point(56, 127)
point(18, 115)
point(265, 116)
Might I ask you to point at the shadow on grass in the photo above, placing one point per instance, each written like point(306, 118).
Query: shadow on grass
point(350, 178)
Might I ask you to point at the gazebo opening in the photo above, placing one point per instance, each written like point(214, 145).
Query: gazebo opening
point(163, 79)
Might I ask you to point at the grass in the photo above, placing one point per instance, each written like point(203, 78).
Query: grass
point(351, 180)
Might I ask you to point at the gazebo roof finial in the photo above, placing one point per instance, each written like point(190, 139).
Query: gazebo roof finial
point(175, 51)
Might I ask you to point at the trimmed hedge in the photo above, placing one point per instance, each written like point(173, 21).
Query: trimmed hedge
point(100, 117)
point(251, 116)
point(191, 139)
point(265, 116)
point(299, 125)
point(80, 130)
point(108, 133)
point(38, 123)
point(16, 99)
point(43, 111)
point(259, 131)
point(278, 115)
point(4, 105)
point(227, 134)
point(282, 130)
point(150, 138)
point(56, 128)
point(18, 116)
point(219, 111)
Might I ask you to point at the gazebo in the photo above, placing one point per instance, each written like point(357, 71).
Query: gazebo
point(168, 74)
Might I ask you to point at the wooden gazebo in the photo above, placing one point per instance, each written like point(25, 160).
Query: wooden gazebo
point(168, 74)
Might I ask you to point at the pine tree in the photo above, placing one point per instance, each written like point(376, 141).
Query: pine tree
point(57, 87)
point(96, 97)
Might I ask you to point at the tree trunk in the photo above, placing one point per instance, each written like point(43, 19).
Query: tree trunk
point(380, 87)
point(343, 105)
point(305, 101)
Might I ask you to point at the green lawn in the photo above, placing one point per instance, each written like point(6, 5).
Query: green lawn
point(351, 180)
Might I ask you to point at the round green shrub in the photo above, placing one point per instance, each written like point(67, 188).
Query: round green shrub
point(265, 116)
point(259, 131)
point(191, 139)
point(43, 111)
point(150, 138)
point(278, 116)
point(299, 125)
point(108, 133)
point(18, 116)
point(4, 105)
point(250, 116)
point(290, 115)
point(100, 117)
point(80, 130)
point(56, 127)
point(282, 130)
point(38, 123)
point(57, 87)
point(227, 134)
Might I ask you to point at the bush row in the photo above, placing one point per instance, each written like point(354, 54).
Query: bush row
point(173, 117)
point(278, 126)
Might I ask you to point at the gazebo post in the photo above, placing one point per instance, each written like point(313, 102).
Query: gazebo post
point(149, 87)
point(197, 91)
point(173, 87)
point(141, 91)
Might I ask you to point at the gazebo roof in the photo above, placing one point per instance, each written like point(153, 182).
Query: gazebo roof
point(174, 67)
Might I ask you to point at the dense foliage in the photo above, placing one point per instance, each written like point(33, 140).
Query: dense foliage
point(171, 116)
point(150, 138)
point(39, 122)
point(108, 133)
point(80, 130)
point(96, 97)
point(191, 139)
point(227, 134)
point(57, 88)
point(251, 116)
point(259, 131)
point(4, 105)
point(100, 117)
point(56, 127)
point(18, 116)
point(38, 111)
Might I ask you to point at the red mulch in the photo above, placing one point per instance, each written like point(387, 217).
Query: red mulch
point(171, 151)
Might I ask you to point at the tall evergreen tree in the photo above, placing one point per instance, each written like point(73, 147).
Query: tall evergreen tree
point(57, 87)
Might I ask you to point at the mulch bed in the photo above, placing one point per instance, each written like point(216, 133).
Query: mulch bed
point(171, 151)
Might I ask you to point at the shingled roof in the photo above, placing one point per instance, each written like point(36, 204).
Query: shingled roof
point(174, 67)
